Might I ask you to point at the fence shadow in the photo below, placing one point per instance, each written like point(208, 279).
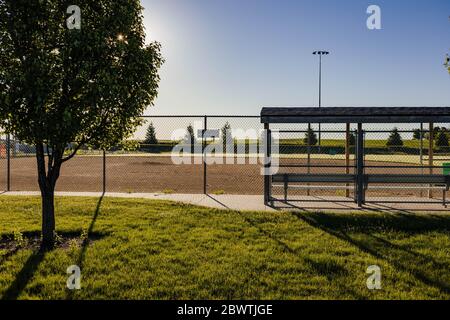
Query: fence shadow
point(330, 270)
point(361, 232)
point(89, 232)
point(85, 245)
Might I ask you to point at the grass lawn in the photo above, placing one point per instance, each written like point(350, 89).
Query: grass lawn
point(145, 249)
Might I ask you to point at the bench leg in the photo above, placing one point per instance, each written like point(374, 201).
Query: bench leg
point(285, 191)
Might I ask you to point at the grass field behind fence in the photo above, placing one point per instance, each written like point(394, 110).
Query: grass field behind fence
point(145, 249)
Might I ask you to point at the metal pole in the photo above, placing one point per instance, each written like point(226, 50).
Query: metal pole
point(421, 155)
point(8, 163)
point(320, 98)
point(266, 165)
point(360, 166)
point(430, 156)
point(320, 81)
point(104, 171)
point(308, 191)
point(205, 187)
point(347, 156)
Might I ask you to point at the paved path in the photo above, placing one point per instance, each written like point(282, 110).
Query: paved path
point(256, 203)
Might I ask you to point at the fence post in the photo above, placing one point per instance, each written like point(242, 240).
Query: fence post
point(104, 171)
point(8, 162)
point(205, 188)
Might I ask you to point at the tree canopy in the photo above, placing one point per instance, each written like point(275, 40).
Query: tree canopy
point(87, 86)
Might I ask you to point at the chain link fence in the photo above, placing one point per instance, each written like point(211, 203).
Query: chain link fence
point(188, 154)
point(3, 162)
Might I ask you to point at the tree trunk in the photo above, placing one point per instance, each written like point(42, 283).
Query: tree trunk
point(47, 182)
point(48, 219)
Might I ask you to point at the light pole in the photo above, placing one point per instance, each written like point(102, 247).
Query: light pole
point(320, 54)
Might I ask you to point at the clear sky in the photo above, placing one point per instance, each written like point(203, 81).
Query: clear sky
point(236, 56)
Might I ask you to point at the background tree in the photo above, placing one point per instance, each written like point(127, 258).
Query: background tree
point(442, 138)
point(435, 132)
point(395, 139)
point(417, 134)
point(227, 137)
point(60, 86)
point(352, 139)
point(150, 136)
point(447, 63)
point(312, 137)
point(190, 135)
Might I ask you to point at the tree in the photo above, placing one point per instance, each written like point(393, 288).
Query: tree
point(352, 139)
point(227, 137)
point(190, 135)
point(447, 63)
point(394, 140)
point(436, 130)
point(442, 138)
point(417, 134)
point(62, 86)
point(310, 137)
point(150, 136)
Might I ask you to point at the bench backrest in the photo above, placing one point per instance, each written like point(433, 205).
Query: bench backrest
point(368, 178)
point(343, 178)
point(411, 179)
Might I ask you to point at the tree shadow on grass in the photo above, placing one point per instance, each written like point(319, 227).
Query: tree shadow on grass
point(364, 233)
point(34, 260)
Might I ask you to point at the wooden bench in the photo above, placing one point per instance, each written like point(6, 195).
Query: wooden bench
point(287, 179)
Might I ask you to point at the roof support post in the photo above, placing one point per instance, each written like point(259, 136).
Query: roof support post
point(267, 165)
point(430, 156)
point(347, 156)
point(308, 191)
point(360, 167)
